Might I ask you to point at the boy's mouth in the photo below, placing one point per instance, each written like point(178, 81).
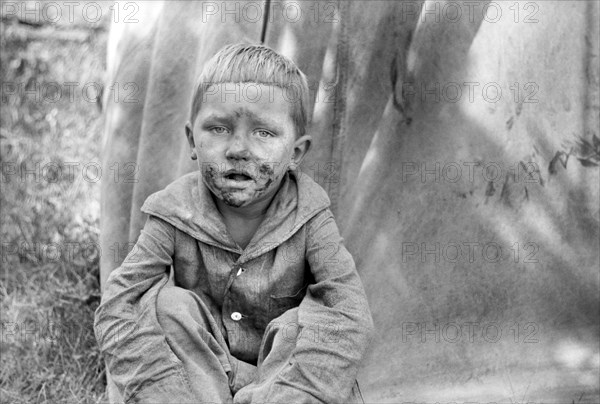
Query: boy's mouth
point(238, 176)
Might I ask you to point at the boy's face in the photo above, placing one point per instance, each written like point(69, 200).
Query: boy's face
point(245, 140)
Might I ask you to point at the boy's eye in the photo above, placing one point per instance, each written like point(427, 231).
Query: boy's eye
point(219, 130)
point(264, 133)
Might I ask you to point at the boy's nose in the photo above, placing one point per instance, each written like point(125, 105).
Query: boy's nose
point(237, 149)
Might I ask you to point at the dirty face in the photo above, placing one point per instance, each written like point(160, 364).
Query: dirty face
point(245, 141)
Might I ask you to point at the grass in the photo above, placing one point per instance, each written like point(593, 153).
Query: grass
point(50, 141)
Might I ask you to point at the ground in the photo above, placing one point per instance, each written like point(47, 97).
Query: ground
point(50, 141)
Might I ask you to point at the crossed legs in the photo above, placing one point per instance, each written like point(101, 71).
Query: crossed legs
point(213, 374)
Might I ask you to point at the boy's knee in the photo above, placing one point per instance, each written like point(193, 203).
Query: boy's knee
point(172, 301)
point(180, 310)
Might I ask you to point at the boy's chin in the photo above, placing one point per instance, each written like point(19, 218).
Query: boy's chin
point(236, 198)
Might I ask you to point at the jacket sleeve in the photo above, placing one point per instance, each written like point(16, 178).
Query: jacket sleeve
point(137, 356)
point(335, 323)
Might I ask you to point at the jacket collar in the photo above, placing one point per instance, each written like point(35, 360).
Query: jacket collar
point(188, 205)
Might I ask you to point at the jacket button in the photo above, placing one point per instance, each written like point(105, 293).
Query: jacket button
point(235, 316)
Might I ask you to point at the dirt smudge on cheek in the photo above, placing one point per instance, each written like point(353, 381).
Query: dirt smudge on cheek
point(266, 185)
point(267, 175)
point(266, 170)
point(209, 175)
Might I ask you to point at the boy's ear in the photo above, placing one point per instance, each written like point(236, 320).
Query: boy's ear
point(189, 133)
point(301, 147)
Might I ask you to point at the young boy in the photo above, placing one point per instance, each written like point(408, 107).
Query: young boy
point(264, 303)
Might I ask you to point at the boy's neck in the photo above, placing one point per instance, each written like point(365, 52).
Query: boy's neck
point(242, 223)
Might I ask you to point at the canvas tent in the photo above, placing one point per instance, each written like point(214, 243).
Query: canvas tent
point(456, 141)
